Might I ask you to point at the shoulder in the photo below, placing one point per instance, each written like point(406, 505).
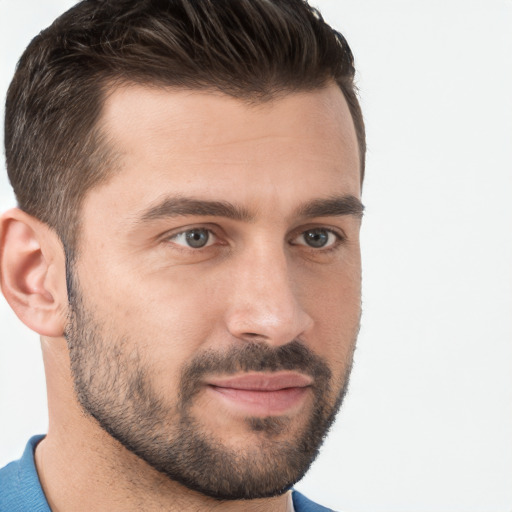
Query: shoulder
point(20, 489)
point(303, 504)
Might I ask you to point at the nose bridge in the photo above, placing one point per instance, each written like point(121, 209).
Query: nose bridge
point(264, 302)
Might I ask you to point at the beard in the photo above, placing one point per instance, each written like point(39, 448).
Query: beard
point(114, 385)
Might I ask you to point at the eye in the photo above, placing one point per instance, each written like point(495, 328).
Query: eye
point(196, 238)
point(317, 238)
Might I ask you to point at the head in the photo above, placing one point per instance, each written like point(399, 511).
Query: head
point(199, 165)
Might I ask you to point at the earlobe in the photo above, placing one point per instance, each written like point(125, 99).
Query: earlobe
point(32, 272)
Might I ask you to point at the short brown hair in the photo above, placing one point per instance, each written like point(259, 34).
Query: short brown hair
point(249, 49)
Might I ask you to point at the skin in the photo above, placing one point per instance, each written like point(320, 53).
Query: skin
point(257, 281)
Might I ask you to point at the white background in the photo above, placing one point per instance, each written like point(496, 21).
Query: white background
point(427, 425)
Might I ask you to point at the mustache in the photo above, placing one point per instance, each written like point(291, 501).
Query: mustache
point(254, 357)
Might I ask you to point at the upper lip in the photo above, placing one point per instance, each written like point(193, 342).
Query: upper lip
point(259, 381)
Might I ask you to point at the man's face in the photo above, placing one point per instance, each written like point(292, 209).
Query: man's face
point(216, 292)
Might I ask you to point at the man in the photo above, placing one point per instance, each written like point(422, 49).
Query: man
point(188, 176)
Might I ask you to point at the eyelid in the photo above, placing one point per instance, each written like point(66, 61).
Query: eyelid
point(337, 233)
point(216, 236)
point(213, 233)
point(209, 241)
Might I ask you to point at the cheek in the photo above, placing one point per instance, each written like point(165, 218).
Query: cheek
point(166, 316)
point(334, 302)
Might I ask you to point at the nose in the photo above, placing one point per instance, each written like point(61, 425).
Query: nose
point(264, 305)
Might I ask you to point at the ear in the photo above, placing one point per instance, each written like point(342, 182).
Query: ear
point(33, 273)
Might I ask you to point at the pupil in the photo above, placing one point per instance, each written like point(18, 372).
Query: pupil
point(317, 237)
point(197, 238)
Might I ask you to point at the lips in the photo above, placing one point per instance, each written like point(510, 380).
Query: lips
point(261, 394)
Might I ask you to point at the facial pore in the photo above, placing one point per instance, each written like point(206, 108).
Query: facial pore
point(116, 389)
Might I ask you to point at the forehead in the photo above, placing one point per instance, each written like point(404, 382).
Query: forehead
point(209, 145)
point(129, 101)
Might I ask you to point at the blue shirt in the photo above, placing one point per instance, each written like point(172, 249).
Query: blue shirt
point(21, 491)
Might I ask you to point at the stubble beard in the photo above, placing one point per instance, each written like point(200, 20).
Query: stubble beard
point(116, 389)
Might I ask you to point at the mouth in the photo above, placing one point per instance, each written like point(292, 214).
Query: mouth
point(261, 394)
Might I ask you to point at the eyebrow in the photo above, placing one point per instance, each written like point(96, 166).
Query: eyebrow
point(332, 207)
point(184, 206)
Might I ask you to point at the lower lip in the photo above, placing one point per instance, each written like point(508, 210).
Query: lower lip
point(261, 403)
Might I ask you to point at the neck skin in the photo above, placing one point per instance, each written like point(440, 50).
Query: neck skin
point(82, 468)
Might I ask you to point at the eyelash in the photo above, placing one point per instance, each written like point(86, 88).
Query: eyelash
point(334, 239)
point(173, 237)
point(339, 238)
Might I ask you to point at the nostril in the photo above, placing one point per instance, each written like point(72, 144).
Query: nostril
point(253, 337)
